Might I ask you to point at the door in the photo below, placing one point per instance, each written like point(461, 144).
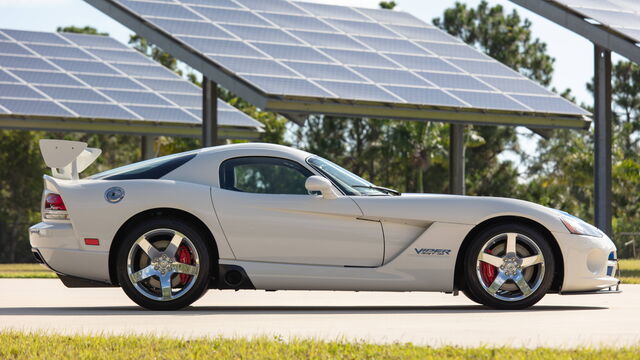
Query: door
point(268, 215)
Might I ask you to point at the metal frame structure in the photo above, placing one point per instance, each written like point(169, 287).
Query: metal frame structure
point(605, 40)
point(128, 127)
point(106, 122)
point(602, 164)
point(333, 107)
point(572, 20)
point(147, 130)
point(456, 159)
point(209, 113)
point(293, 106)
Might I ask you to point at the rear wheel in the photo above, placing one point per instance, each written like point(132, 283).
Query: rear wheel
point(509, 266)
point(164, 264)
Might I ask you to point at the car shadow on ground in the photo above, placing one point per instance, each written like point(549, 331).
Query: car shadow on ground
point(273, 310)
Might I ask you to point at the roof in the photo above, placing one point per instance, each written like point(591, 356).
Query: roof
point(297, 57)
point(612, 24)
point(66, 81)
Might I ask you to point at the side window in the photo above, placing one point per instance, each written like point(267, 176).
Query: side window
point(264, 175)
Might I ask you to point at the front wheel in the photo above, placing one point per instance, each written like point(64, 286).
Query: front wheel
point(509, 266)
point(163, 264)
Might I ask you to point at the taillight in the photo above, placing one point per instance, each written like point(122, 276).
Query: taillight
point(54, 202)
point(54, 208)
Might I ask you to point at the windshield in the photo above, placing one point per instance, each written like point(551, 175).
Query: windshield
point(349, 182)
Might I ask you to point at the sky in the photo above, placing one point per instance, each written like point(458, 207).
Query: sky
point(573, 54)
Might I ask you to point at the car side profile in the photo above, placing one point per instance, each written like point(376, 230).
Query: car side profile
point(270, 217)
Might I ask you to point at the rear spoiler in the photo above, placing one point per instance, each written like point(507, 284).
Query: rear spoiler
point(67, 159)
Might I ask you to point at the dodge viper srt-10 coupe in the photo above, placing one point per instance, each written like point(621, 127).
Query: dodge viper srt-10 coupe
point(263, 216)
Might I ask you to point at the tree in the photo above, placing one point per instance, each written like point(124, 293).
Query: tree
point(508, 39)
point(561, 172)
point(390, 5)
point(144, 46)
point(117, 150)
point(505, 37)
point(274, 125)
point(626, 98)
point(412, 155)
point(20, 191)
point(89, 30)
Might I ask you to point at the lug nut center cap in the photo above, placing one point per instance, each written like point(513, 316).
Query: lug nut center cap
point(510, 265)
point(162, 264)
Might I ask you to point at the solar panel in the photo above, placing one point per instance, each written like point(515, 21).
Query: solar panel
point(88, 76)
point(34, 107)
point(622, 16)
point(19, 91)
point(71, 93)
point(293, 56)
point(5, 77)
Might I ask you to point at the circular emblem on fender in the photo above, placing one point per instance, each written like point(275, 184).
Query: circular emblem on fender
point(114, 194)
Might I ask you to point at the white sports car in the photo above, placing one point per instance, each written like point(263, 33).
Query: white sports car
point(262, 216)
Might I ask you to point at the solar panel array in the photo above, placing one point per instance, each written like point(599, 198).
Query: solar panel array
point(88, 76)
point(311, 50)
point(622, 16)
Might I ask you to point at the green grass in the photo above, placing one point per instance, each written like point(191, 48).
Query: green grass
point(18, 345)
point(630, 271)
point(25, 271)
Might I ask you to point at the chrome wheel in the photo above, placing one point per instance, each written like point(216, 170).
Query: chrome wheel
point(163, 264)
point(510, 267)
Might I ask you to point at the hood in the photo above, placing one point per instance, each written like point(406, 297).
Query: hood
point(470, 210)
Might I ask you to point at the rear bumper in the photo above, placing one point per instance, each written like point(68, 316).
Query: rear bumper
point(590, 263)
point(58, 248)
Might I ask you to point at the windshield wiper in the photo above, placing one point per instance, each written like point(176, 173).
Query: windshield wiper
point(379, 188)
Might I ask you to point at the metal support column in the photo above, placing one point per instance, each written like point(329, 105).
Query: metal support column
point(209, 113)
point(602, 164)
point(146, 147)
point(456, 159)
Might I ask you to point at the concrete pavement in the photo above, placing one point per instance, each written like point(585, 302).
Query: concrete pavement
point(421, 318)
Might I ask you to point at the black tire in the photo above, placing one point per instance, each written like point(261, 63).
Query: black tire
point(198, 284)
point(471, 297)
point(478, 290)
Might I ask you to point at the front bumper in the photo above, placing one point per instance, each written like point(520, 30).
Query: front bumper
point(610, 290)
point(590, 264)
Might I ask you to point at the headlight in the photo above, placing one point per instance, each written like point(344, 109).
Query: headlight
point(579, 227)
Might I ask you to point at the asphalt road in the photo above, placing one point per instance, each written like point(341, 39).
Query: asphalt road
point(421, 318)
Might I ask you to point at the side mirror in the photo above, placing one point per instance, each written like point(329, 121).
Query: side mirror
point(324, 186)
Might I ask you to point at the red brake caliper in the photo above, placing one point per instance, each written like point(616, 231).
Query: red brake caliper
point(184, 256)
point(488, 272)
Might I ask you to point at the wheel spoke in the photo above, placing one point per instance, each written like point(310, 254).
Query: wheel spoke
point(172, 248)
point(181, 268)
point(532, 260)
point(165, 284)
point(511, 242)
point(522, 284)
point(143, 274)
point(490, 259)
point(497, 283)
point(149, 249)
